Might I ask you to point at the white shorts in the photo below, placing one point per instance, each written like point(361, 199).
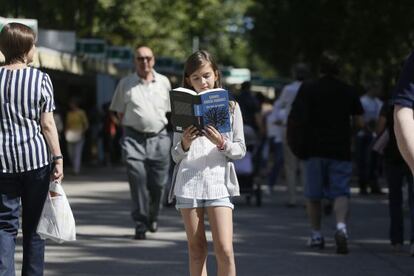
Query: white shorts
point(182, 202)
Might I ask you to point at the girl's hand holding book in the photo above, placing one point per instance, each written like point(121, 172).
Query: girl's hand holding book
point(214, 136)
point(189, 135)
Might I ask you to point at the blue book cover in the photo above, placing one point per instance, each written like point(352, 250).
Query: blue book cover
point(210, 107)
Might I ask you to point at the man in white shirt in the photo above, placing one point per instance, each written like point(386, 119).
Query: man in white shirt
point(275, 142)
point(141, 101)
point(366, 158)
point(291, 163)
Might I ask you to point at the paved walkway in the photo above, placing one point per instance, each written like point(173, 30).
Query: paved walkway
point(269, 240)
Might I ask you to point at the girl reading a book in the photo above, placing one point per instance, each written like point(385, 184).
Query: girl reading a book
point(204, 177)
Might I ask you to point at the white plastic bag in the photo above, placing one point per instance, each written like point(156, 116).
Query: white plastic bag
point(57, 222)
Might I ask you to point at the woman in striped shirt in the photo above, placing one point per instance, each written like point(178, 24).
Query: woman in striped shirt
point(28, 145)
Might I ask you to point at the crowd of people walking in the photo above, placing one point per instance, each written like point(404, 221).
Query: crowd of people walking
point(307, 138)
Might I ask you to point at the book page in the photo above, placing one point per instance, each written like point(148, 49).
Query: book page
point(185, 90)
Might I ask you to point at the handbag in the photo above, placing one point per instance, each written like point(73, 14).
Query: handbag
point(57, 222)
point(73, 136)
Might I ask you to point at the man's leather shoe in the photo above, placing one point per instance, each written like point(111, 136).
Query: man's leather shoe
point(153, 227)
point(140, 232)
point(140, 236)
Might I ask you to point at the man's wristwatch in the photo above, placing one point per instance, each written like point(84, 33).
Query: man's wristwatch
point(55, 158)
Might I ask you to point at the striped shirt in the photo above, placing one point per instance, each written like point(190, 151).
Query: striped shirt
point(24, 94)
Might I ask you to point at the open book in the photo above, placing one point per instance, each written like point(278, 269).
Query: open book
point(210, 107)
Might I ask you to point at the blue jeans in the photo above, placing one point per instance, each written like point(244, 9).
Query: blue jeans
point(31, 188)
point(396, 174)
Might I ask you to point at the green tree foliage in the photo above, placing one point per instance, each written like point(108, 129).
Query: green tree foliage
point(168, 26)
point(75, 15)
point(372, 36)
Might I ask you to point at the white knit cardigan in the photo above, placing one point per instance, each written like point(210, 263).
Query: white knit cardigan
point(234, 148)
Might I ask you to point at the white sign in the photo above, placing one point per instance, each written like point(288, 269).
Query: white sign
point(32, 23)
point(64, 41)
point(235, 75)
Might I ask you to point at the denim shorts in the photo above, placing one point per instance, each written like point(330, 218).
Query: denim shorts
point(182, 202)
point(327, 178)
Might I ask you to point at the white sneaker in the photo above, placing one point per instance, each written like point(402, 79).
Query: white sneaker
point(316, 242)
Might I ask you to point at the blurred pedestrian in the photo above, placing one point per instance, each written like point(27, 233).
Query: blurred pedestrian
point(141, 101)
point(250, 108)
point(95, 119)
point(367, 160)
point(275, 141)
point(75, 128)
point(404, 120)
point(110, 133)
point(29, 145)
point(324, 109)
point(205, 177)
point(262, 157)
point(294, 168)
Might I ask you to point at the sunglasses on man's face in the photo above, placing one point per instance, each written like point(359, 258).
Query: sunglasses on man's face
point(142, 59)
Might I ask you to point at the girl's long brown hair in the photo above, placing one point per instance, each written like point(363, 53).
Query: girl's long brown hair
point(197, 60)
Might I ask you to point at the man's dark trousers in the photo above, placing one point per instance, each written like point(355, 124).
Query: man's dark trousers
point(148, 162)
